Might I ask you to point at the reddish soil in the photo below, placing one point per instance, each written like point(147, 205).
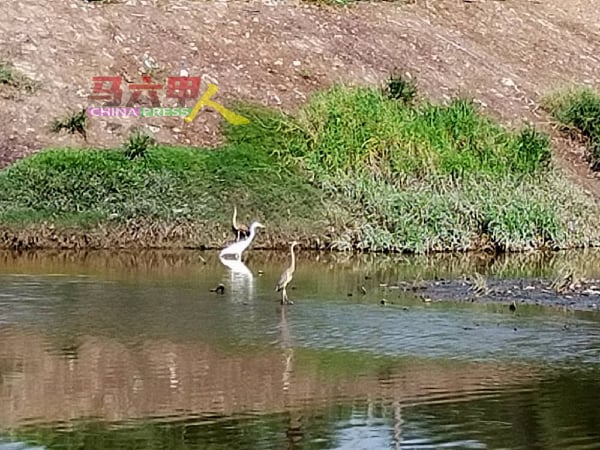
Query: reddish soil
point(506, 54)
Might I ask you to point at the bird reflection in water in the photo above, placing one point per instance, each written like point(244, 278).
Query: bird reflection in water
point(241, 279)
point(294, 432)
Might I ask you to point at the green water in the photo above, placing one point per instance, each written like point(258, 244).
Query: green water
point(131, 350)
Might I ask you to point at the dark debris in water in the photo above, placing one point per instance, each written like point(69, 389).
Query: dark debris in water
point(584, 295)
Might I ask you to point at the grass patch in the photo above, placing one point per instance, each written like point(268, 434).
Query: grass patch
point(436, 214)
point(71, 123)
point(353, 167)
point(138, 144)
point(166, 184)
point(579, 109)
point(12, 78)
point(360, 130)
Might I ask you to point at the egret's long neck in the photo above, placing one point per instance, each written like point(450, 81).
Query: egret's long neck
point(252, 233)
point(234, 216)
point(293, 265)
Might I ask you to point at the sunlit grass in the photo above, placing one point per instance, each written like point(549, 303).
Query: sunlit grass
point(361, 130)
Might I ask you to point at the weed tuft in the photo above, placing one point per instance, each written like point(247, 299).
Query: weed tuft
point(402, 88)
point(72, 123)
point(138, 144)
point(12, 78)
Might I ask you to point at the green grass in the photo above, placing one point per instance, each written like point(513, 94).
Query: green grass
point(166, 184)
point(353, 166)
point(361, 130)
point(436, 214)
point(580, 109)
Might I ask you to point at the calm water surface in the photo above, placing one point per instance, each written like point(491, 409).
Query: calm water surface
point(131, 350)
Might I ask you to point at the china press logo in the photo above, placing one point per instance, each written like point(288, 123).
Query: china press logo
point(181, 88)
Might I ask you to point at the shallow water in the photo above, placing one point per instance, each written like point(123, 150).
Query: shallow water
point(127, 350)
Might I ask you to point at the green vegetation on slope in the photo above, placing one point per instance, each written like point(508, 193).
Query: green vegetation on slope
point(353, 167)
point(579, 109)
point(361, 131)
point(167, 183)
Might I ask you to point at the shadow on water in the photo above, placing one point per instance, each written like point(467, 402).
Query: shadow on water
point(121, 350)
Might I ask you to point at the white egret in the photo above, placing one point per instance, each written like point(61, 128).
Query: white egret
point(237, 248)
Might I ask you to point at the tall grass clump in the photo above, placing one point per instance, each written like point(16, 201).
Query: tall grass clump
point(431, 215)
point(360, 129)
point(580, 109)
point(422, 177)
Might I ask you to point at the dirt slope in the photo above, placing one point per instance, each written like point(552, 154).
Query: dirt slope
point(506, 54)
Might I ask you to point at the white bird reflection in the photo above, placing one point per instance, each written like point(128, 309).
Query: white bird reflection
point(241, 279)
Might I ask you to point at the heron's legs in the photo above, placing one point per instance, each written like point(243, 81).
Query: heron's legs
point(284, 297)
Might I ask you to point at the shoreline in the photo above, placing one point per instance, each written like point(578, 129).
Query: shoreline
point(404, 184)
point(178, 236)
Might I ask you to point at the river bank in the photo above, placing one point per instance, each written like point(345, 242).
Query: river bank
point(355, 169)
